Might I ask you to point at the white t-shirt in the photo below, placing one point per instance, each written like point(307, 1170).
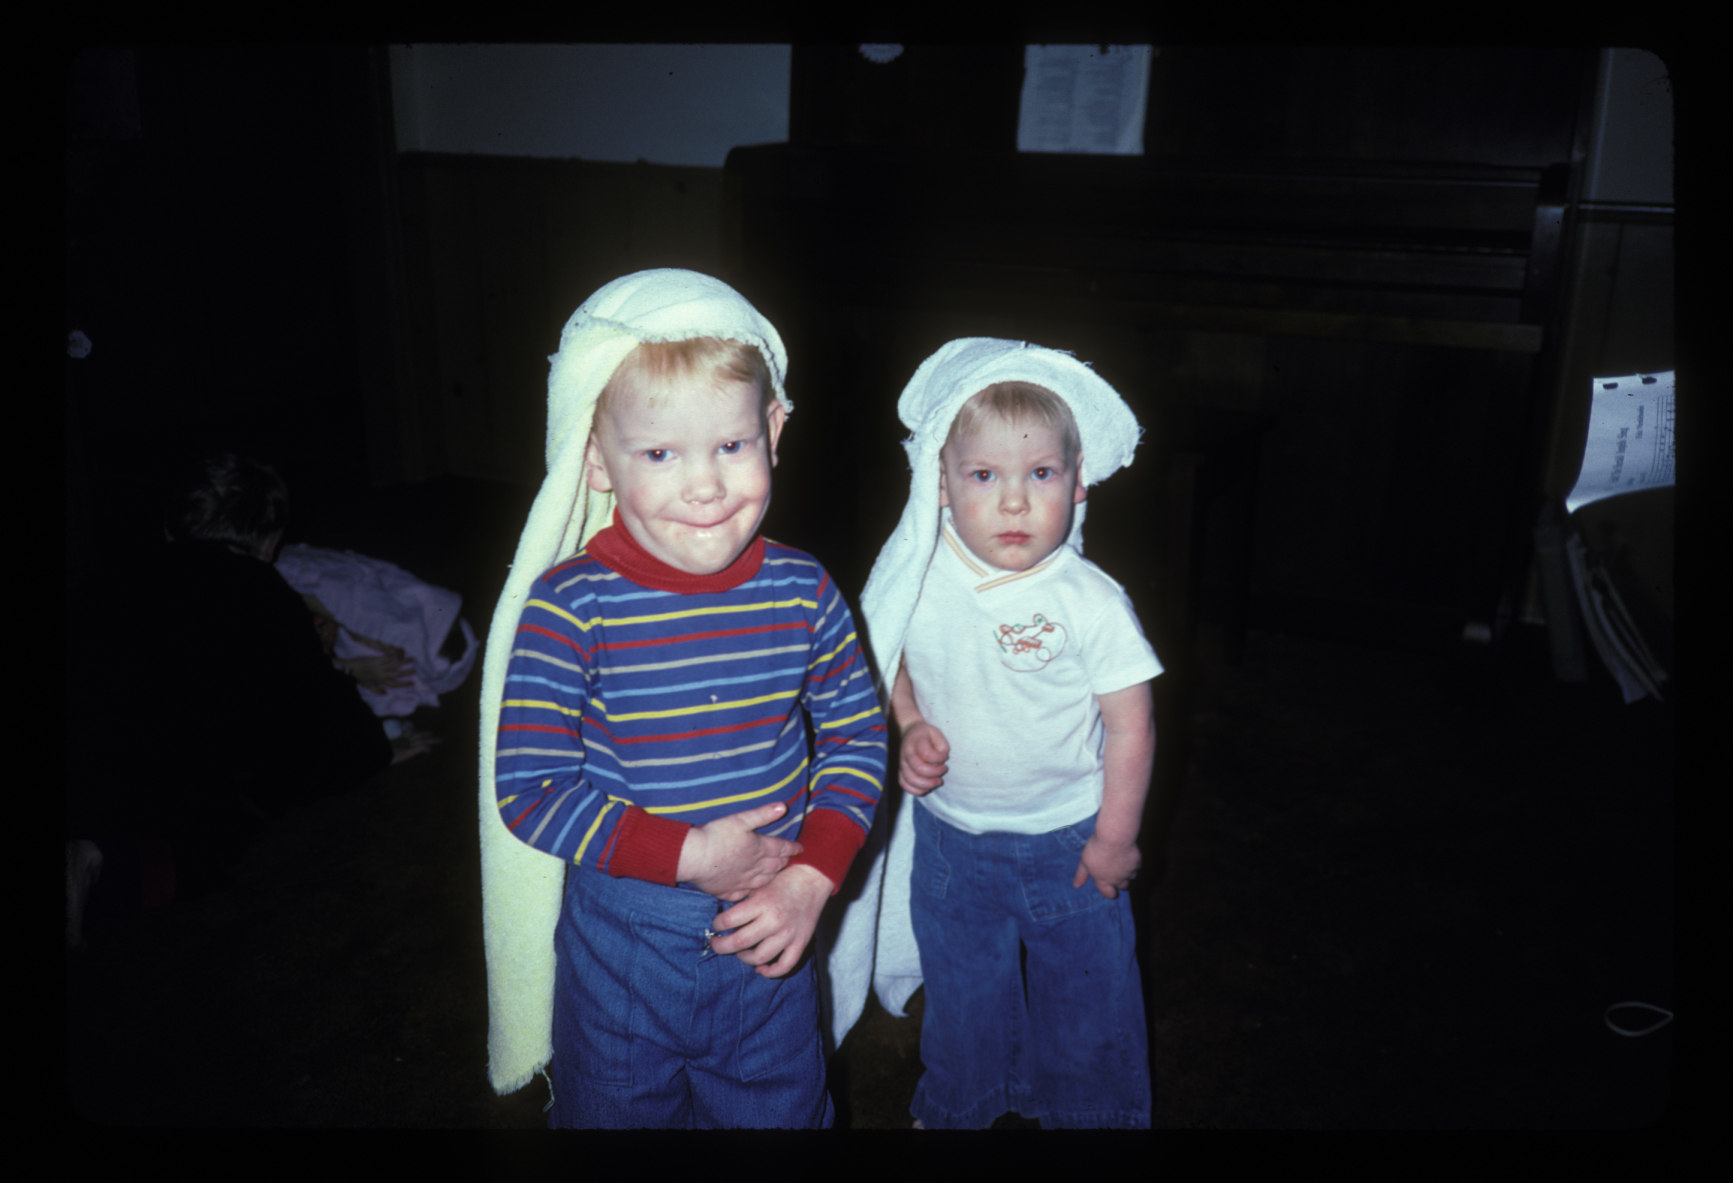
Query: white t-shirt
point(1008, 664)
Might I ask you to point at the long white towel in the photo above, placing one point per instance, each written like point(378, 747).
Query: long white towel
point(521, 887)
point(874, 944)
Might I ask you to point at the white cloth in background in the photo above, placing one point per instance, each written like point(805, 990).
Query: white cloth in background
point(874, 944)
point(522, 887)
point(373, 598)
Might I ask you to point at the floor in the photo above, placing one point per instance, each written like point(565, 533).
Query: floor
point(1383, 890)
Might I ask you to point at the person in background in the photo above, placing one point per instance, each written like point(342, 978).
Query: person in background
point(200, 702)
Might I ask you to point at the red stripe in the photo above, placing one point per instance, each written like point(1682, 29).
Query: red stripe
point(847, 740)
point(835, 670)
point(684, 734)
point(574, 561)
point(849, 792)
point(685, 637)
point(602, 859)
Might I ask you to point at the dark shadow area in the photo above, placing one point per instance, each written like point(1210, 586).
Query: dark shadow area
point(1385, 890)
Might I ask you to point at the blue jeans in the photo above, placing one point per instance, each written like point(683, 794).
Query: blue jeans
point(1070, 1049)
point(651, 1029)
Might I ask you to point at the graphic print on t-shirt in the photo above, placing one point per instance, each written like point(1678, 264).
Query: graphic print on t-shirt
point(1028, 648)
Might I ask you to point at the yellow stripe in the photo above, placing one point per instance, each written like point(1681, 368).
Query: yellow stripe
point(1014, 576)
point(827, 657)
point(840, 769)
point(722, 610)
point(563, 614)
point(541, 706)
point(851, 718)
point(699, 710)
point(729, 800)
point(591, 832)
point(956, 546)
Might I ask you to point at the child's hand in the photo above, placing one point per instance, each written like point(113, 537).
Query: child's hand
point(772, 928)
point(411, 742)
point(379, 673)
point(922, 756)
point(391, 651)
point(727, 859)
point(1112, 867)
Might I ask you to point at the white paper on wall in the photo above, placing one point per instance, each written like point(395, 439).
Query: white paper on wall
point(1631, 438)
point(1078, 98)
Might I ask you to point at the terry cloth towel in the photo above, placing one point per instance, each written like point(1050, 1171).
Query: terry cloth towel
point(376, 599)
point(521, 887)
point(875, 943)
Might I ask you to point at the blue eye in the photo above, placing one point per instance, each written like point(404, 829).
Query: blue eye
point(657, 455)
point(729, 449)
point(981, 476)
point(1042, 474)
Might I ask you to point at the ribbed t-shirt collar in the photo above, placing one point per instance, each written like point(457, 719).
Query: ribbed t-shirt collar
point(615, 548)
point(985, 576)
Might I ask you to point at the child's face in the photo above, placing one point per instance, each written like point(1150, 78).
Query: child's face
point(1011, 488)
point(689, 461)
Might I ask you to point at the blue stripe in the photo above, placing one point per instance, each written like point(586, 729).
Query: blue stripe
point(560, 838)
point(651, 594)
point(576, 691)
point(794, 671)
point(768, 771)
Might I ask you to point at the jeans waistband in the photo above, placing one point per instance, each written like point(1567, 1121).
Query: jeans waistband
point(679, 906)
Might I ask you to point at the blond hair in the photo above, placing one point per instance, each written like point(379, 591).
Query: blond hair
point(1015, 402)
point(719, 358)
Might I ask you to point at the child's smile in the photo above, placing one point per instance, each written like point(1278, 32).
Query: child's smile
point(689, 463)
point(1011, 489)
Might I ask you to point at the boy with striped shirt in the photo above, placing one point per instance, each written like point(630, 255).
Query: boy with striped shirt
point(653, 734)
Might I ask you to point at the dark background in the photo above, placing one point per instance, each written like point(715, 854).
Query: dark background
point(1320, 289)
point(254, 261)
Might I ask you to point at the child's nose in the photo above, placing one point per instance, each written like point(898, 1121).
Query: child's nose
point(1011, 497)
point(704, 482)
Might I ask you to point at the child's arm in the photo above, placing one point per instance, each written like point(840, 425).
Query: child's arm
point(728, 860)
point(771, 930)
point(548, 802)
point(1128, 755)
point(924, 749)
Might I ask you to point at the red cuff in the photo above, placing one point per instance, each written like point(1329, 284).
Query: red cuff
point(829, 841)
point(646, 846)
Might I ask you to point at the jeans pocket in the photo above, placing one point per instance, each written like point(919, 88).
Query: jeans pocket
point(929, 870)
point(594, 1001)
point(1050, 867)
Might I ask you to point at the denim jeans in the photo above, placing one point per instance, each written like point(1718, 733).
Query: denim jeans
point(651, 1029)
point(1068, 1048)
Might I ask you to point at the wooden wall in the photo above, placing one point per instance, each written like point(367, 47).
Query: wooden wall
point(498, 253)
point(259, 253)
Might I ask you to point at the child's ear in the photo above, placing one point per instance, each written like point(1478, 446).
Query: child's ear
point(944, 496)
point(595, 473)
point(1080, 493)
point(774, 425)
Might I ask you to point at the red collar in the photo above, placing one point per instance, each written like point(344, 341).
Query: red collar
point(615, 548)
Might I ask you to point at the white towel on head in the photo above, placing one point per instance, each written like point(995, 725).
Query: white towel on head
point(522, 887)
point(874, 945)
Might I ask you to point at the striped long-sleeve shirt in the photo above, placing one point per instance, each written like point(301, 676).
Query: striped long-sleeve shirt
point(640, 700)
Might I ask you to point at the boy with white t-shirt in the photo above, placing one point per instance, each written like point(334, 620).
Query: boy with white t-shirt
point(1022, 695)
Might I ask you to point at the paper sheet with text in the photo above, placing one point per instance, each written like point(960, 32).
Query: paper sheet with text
point(1631, 438)
point(1084, 98)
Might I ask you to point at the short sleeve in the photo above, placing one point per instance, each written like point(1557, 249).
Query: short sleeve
point(1116, 652)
